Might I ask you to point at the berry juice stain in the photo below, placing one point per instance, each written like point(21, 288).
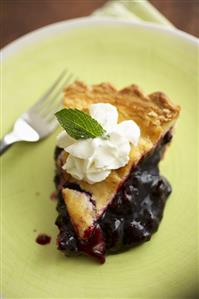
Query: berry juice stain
point(43, 239)
point(53, 196)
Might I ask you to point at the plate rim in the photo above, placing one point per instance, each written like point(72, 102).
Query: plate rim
point(62, 26)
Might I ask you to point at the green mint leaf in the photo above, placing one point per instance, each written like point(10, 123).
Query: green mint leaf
point(78, 124)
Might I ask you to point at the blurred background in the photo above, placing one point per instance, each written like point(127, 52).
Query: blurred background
point(18, 17)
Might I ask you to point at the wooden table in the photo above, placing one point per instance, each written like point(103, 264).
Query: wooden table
point(18, 17)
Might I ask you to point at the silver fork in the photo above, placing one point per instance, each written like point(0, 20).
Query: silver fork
point(38, 121)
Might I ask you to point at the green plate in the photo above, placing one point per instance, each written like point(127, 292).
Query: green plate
point(98, 50)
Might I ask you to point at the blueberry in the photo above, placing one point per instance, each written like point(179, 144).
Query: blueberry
point(57, 151)
point(135, 233)
point(117, 204)
point(112, 227)
point(161, 188)
point(67, 243)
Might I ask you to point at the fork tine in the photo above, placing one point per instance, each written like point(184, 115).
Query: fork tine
point(52, 100)
point(54, 124)
point(46, 95)
point(51, 114)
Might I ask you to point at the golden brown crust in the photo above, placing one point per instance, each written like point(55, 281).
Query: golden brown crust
point(154, 114)
point(80, 209)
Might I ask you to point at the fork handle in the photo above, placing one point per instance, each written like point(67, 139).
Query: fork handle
point(3, 146)
point(7, 141)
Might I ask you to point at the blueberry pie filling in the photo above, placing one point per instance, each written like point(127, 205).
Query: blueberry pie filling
point(126, 208)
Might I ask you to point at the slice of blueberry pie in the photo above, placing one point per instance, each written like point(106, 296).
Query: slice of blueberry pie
point(111, 195)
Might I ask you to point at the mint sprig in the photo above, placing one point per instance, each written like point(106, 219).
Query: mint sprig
point(78, 124)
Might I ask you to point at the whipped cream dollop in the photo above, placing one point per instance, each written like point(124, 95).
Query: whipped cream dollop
point(92, 160)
